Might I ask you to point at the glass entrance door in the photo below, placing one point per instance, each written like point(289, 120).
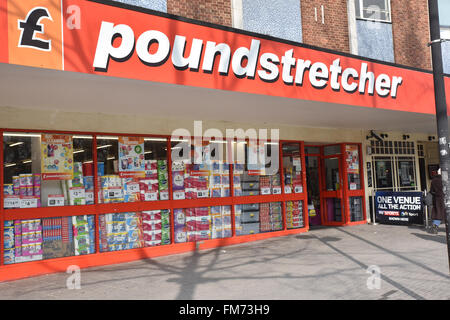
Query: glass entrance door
point(332, 185)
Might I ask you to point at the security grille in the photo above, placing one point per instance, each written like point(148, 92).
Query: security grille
point(392, 147)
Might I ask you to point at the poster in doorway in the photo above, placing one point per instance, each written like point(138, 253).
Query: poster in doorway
point(352, 158)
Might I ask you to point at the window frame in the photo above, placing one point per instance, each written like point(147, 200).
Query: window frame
point(360, 15)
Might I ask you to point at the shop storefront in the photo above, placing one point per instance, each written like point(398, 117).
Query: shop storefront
point(87, 155)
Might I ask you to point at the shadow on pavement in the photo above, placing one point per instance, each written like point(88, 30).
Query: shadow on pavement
point(437, 238)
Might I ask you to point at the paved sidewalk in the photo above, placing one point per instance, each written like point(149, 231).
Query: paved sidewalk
point(326, 263)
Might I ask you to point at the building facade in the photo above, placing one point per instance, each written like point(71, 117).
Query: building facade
point(100, 99)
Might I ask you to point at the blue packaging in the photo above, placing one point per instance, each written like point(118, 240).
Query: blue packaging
point(100, 169)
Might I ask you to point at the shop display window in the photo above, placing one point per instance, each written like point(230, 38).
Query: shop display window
point(292, 168)
point(258, 217)
point(44, 170)
point(203, 223)
point(200, 172)
point(353, 167)
point(133, 230)
point(48, 238)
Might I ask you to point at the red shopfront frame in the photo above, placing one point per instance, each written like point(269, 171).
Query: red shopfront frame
point(33, 268)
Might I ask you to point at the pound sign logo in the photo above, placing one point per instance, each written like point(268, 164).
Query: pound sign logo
point(30, 26)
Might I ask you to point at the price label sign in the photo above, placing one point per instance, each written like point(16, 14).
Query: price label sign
point(28, 203)
point(151, 196)
point(287, 189)
point(133, 187)
point(55, 200)
point(179, 195)
point(11, 202)
point(114, 193)
point(298, 189)
point(90, 196)
point(276, 190)
point(164, 195)
point(77, 193)
point(265, 190)
point(202, 193)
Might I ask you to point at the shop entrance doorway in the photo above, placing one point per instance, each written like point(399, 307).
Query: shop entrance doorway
point(334, 184)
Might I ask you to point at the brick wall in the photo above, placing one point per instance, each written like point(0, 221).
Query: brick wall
point(333, 34)
point(214, 11)
point(411, 33)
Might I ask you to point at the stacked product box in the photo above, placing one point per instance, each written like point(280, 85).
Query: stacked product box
point(264, 185)
point(294, 214)
point(179, 178)
point(131, 189)
point(276, 219)
point(217, 223)
point(237, 219)
point(76, 192)
point(250, 184)
point(198, 224)
point(156, 227)
point(8, 242)
point(250, 222)
point(24, 192)
point(275, 184)
point(264, 217)
point(293, 180)
point(88, 182)
point(220, 222)
point(27, 240)
point(52, 238)
point(121, 231)
point(83, 235)
point(57, 237)
point(163, 179)
point(238, 170)
point(180, 230)
point(219, 179)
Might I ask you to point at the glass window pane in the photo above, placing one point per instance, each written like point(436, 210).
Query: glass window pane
point(47, 170)
point(406, 170)
point(356, 210)
point(312, 150)
point(383, 173)
point(330, 150)
point(200, 172)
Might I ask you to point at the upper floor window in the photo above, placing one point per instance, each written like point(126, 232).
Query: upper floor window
point(376, 10)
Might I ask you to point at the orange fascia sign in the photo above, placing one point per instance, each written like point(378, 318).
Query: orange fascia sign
point(114, 39)
point(293, 70)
